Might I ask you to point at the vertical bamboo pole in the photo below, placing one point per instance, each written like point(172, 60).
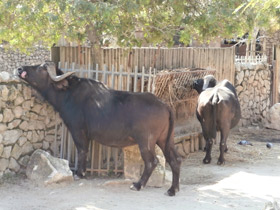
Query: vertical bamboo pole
point(55, 134)
point(116, 160)
point(96, 72)
point(113, 77)
point(276, 77)
point(135, 79)
point(105, 74)
point(69, 146)
point(149, 79)
point(120, 84)
point(76, 159)
point(109, 151)
point(92, 157)
point(99, 159)
point(192, 144)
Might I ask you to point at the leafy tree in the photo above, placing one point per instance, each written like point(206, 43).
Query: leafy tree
point(25, 22)
point(266, 13)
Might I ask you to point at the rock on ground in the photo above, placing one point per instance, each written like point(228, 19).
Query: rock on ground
point(46, 169)
point(134, 166)
point(272, 118)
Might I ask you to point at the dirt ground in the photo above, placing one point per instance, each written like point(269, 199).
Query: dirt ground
point(249, 179)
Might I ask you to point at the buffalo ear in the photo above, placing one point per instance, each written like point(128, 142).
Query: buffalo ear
point(58, 72)
point(62, 85)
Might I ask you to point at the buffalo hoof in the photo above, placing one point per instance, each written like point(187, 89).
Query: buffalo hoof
point(76, 177)
point(171, 192)
point(221, 161)
point(135, 186)
point(80, 175)
point(207, 160)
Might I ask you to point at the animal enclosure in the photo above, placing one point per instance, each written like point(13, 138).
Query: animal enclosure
point(176, 84)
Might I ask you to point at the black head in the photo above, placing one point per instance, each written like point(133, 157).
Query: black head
point(37, 76)
point(207, 82)
point(198, 85)
point(43, 76)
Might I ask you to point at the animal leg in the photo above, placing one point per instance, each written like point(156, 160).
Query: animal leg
point(226, 149)
point(208, 125)
point(174, 160)
point(175, 163)
point(82, 145)
point(82, 155)
point(150, 162)
point(209, 143)
point(223, 145)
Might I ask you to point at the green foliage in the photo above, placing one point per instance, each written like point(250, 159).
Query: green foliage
point(24, 23)
point(265, 14)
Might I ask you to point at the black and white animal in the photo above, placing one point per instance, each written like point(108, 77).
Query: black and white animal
point(218, 109)
point(91, 111)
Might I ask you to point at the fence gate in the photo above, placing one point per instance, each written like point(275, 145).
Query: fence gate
point(103, 159)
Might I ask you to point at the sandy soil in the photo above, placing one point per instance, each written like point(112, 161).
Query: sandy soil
point(249, 179)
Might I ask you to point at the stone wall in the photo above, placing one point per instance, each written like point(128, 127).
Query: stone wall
point(11, 60)
point(253, 84)
point(26, 124)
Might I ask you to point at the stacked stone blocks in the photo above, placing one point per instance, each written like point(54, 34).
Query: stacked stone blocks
point(26, 124)
point(253, 87)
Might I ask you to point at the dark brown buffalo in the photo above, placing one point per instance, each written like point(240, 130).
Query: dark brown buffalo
point(218, 109)
point(91, 111)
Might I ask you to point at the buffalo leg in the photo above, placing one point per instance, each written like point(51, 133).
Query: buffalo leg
point(82, 155)
point(173, 159)
point(150, 162)
point(209, 144)
point(223, 145)
point(82, 145)
point(208, 124)
point(226, 148)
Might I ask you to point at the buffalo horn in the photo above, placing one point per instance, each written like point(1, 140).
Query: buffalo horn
point(52, 72)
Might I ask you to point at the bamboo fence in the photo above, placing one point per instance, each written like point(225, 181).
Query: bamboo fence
point(220, 59)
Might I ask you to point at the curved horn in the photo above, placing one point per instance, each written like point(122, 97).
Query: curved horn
point(52, 72)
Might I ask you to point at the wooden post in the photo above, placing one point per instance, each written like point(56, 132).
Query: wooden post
point(99, 159)
point(116, 159)
point(92, 157)
point(135, 79)
point(196, 142)
point(275, 93)
point(192, 143)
